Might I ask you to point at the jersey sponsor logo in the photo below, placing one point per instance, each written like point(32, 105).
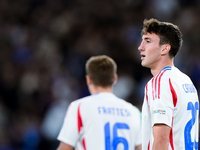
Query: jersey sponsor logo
point(189, 88)
point(114, 111)
point(160, 111)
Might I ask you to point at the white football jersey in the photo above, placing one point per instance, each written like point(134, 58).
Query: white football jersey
point(171, 99)
point(101, 122)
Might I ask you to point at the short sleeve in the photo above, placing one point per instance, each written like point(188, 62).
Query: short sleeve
point(69, 131)
point(162, 107)
point(139, 136)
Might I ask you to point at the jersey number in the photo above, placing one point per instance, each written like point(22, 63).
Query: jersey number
point(116, 139)
point(189, 145)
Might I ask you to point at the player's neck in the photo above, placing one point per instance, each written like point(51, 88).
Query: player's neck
point(160, 66)
point(97, 89)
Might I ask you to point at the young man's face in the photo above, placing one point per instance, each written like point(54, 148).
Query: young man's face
point(150, 50)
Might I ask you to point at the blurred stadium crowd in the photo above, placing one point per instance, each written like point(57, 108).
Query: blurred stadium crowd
point(45, 43)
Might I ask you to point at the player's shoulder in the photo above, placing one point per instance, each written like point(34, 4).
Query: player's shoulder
point(175, 75)
point(170, 72)
point(80, 100)
point(128, 105)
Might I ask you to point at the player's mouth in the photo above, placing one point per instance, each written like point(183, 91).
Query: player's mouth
point(142, 56)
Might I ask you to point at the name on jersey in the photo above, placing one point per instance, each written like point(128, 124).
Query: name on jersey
point(114, 111)
point(189, 88)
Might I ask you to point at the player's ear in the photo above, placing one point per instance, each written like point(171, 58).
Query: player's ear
point(115, 79)
point(88, 80)
point(165, 49)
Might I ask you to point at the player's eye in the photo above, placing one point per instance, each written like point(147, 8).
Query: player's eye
point(148, 41)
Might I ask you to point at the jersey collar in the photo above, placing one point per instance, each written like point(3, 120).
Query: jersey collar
point(166, 68)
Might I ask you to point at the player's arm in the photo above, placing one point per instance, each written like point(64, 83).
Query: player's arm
point(64, 146)
point(139, 147)
point(161, 134)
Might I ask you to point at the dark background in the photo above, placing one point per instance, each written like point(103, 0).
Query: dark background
point(44, 45)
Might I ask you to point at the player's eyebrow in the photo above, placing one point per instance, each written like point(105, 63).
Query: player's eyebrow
point(147, 38)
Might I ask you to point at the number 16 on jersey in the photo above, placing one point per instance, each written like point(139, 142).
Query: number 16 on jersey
point(112, 144)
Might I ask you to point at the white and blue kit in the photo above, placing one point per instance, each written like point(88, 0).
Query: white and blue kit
point(171, 99)
point(101, 122)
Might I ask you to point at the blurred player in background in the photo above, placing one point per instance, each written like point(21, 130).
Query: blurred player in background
point(101, 121)
point(170, 110)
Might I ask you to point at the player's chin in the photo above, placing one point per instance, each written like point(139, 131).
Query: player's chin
point(144, 64)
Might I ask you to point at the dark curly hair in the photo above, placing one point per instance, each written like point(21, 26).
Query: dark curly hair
point(167, 32)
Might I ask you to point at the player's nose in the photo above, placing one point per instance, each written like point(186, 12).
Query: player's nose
point(141, 47)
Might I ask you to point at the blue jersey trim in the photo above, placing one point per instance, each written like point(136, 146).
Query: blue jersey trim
point(166, 68)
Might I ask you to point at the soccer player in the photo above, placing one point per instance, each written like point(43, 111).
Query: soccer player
point(170, 110)
point(101, 121)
